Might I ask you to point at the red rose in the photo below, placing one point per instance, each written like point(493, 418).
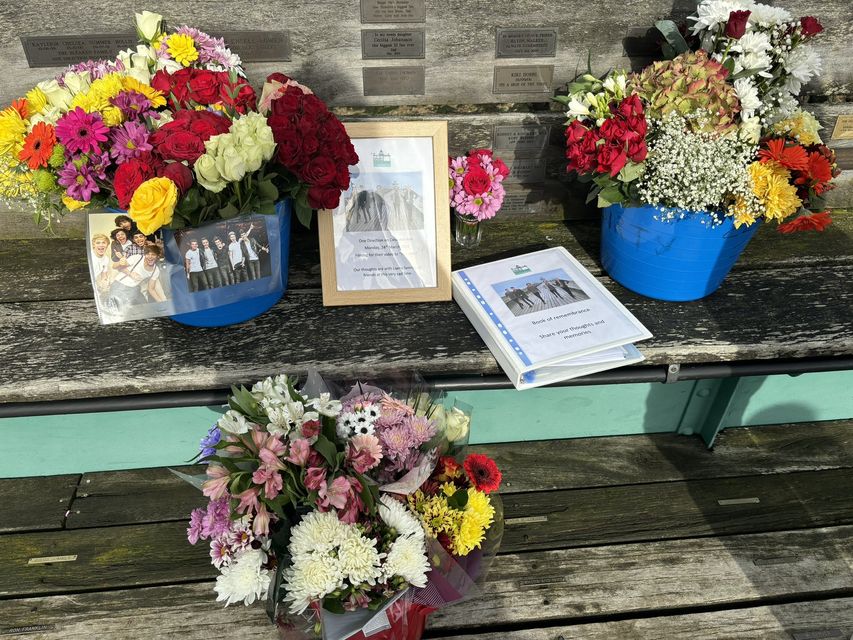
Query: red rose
point(342, 178)
point(476, 181)
point(320, 171)
point(630, 107)
point(611, 158)
point(178, 173)
point(206, 124)
point(736, 26)
point(575, 132)
point(324, 197)
point(614, 130)
point(128, 177)
point(502, 169)
point(244, 99)
point(475, 154)
point(637, 124)
point(289, 103)
point(172, 85)
point(637, 150)
point(181, 145)
point(203, 85)
point(278, 77)
point(810, 26)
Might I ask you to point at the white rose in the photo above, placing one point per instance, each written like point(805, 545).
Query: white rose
point(135, 65)
point(456, 425)
point(208, 175)
point(58, 97)
point(77, 82)
point(148, 25)
point(230, 163)
point(170, 66)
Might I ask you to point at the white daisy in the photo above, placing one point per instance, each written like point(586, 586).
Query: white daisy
point(243, 579)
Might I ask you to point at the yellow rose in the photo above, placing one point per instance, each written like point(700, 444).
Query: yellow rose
point(153, 204)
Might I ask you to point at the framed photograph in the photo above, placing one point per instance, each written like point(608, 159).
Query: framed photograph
point(389, 239)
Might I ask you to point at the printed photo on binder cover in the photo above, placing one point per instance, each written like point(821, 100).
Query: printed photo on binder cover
point(546, 318)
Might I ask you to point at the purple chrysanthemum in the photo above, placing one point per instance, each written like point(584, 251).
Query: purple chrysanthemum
point(78, 179)
point(130, 140)
point(194, 530)
point(99, 163)
point(422, 429)
point(81, 132)
point(95, 68)
point(133, 104)
point(217, 519)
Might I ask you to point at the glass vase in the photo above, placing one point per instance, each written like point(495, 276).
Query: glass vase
point(468, 231)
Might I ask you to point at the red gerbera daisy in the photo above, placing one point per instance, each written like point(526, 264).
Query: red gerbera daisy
point(483, 472)
point(793, 157)
point(814, 222)
point(38, 146)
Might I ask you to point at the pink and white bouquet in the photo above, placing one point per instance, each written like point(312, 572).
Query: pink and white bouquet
point(476, 184)
point(326, 508)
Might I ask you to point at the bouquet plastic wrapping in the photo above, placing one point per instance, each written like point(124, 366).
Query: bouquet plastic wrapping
point(352, 510)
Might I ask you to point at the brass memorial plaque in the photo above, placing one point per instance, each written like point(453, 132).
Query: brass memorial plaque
point(533, 78)
point(526, 42)
point(379, 11)
point(525, 170)
point(258, 46)
point(528, 139)
point(380, 44)
point(393, 81)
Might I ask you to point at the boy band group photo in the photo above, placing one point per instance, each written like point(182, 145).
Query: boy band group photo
point(225, 254)
point(533, 294)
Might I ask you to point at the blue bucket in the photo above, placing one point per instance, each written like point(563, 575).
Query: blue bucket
point(684, 259)
point(237, 312)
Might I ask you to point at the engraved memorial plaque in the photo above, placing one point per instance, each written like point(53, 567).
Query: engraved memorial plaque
point(522, 201)
point(526, 170)
point(526, 42)
point(379, 11)
point(380, 44)
point(533, 78)
point(258, 46)
point(60, 51)
point(843, 129)
point(393, 81)
point(528, 139)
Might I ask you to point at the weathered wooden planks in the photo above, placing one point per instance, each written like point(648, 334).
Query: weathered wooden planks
point(815, 620)
point(35, 503)
point(531, 588)
point(809, 320)
point(156, 495)
point(459, 67)
point(137, 496)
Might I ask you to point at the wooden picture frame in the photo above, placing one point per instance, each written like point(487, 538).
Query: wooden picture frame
point(341, 288)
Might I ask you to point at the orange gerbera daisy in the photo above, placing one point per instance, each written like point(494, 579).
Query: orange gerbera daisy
point(38, 146)
point(793, 157)
point(20, 105)
point(813, 222)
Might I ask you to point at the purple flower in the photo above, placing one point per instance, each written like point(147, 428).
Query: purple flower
point(209, 442)
point(130, 140)
point(217, 519)
point(99, 163)
point(133, 104)
point(422, 429)
point(79, 181)
point(220, 552)
point(194, 530)
point(81, 131)
point(96, 69)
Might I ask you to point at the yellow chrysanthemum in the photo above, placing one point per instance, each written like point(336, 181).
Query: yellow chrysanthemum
point(741, 213)
point(112, 116)
point(13, 130)
point(156, 98)
point(771, 183)
point(71, 204)
point(182, 49)
point(36, 101)
point(16, 182)
point(802, 125)
point(476, 519)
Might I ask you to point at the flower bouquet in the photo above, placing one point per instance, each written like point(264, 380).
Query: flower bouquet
point(689, 155)
point(476, 192)
point(350, 517)
point(175, 135)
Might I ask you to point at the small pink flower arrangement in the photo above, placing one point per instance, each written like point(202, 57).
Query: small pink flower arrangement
point(476, 189)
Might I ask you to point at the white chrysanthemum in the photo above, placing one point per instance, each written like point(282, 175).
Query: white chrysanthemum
point(243, 579)
point(360, 561)
point(234, 422)
point(750, 130)
point(710, 13)
point(407, 559)
point(759, 62)
point(747, 93)
point(398, 517)
point(753, 42)
point(310, 578)
point(803, 63)
point(764, 14)
point(318, 532)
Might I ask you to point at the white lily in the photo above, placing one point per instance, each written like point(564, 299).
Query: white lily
point(577, 108)
point(326, 406)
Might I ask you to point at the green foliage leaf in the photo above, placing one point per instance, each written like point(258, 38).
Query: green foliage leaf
point(327, 450)
point(228, 211)
point(366, 493)
point(304, 212)
point(630, 172)
point(673, 36)
point(458, 500)
point(267, 190)
point(746, 73)
point(334, 606)
point(610, 195)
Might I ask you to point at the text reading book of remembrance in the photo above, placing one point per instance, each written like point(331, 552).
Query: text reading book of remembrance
point(546, 318)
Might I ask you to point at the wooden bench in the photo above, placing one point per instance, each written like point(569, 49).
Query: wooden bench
point(643, 537)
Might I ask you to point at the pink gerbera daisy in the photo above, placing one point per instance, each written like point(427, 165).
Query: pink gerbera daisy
point(81, 132)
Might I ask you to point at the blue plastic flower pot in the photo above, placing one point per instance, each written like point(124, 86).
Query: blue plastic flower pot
point(237, 312)
point(684, 259)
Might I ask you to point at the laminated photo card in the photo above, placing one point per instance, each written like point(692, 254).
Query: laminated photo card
point(546, 318)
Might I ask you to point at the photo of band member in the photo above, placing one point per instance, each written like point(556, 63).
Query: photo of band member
point(539, 291)
point(128, 268)
point(225, 253)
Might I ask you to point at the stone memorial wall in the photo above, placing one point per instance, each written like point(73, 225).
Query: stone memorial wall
point(489, 68)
